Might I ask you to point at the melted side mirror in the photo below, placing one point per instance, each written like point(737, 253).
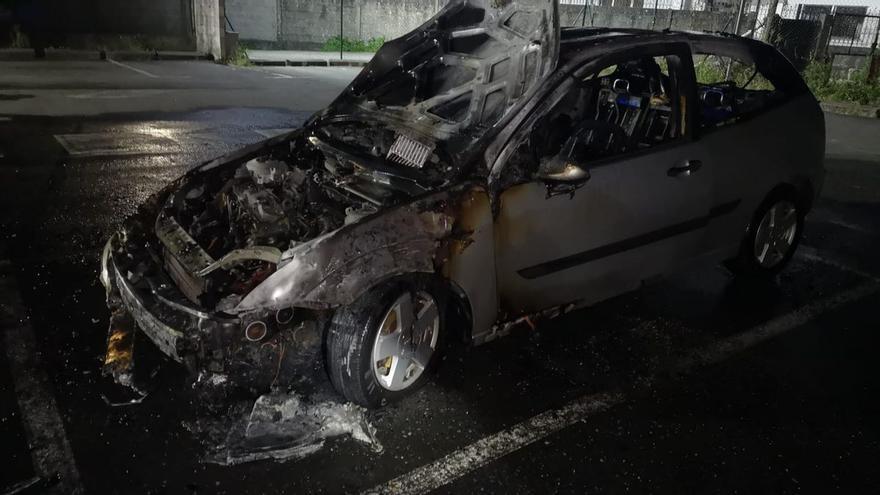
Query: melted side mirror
point(570, 172)
point(561, 169)
point(562, 176)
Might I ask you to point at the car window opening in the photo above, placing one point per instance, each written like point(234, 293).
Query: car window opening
point(624, 107)
point(730, 88)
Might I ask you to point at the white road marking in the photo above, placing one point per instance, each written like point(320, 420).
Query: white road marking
point(812, 254)
point(109, 144)
point(278, 75)
point(726, 348)
point(50, 451)
point(270, 133)
point(117, 94)
point(139, 71)
point(482, 452)
point(276, 72)
point(463, 461)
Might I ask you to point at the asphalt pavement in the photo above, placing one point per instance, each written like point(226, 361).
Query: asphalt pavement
point(694, 384)
point(76, 88)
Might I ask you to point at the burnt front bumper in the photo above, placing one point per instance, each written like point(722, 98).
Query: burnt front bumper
point(142, 296)
point(138, 287)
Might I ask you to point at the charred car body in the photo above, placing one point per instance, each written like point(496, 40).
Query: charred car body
point(486, 167)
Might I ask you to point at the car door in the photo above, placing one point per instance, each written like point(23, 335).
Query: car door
point(641, 211)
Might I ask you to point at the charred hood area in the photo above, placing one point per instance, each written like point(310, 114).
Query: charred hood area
point(455, 80)
point(412, 121)
point(224, 230)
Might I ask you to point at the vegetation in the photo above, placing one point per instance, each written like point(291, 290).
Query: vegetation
point(336, 43)
point(856, 89)
point(19, 39)
point(712, 69)
point(239, 57)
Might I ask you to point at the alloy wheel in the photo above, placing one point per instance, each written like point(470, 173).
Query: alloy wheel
point(776, 234)
point(406, 340)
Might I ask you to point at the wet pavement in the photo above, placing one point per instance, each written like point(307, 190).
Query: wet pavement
point(692, 384)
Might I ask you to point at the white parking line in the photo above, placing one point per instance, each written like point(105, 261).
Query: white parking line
point(50, 451)
point(812, 254)
point(126, 66)
point(154, 142)
point(270, 133)
point(480, 453)
point(463, 461)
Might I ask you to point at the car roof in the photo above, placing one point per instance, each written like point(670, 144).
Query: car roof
point(575, 40)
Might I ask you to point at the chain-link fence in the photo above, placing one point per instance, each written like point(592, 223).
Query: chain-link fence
point(844, 37)
point(692, 15)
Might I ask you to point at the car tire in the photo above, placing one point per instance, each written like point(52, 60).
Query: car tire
point(772, 237)
point(383, 346)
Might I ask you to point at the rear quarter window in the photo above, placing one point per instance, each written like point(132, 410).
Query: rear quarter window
point(735, 81)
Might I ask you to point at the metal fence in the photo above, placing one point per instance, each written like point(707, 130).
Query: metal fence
point(843, 35)
point(850, 27)
point(696, 15)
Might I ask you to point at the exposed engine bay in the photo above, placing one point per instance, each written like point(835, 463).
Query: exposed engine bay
point(224, 232)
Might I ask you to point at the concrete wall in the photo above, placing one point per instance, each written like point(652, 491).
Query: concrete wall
point(63, 22)
point(254, 19)
point(307, 24)
point(208, 23)
point(163, 17)
point(648, 18)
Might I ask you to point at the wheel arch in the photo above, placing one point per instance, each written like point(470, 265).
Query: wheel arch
point(459, 314)
point(800, 189)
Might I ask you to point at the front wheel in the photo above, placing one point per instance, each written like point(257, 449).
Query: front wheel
point(382, 346)
point(772, 237)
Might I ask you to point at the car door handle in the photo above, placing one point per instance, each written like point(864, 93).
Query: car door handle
point(686, 168)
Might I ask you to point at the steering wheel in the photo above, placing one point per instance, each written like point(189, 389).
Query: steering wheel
point(723, 84)
point(613, 136)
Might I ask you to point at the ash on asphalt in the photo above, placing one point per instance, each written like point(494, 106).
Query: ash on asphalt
point(812, 393)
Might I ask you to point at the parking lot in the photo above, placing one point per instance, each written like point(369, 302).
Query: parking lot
point(695, 383)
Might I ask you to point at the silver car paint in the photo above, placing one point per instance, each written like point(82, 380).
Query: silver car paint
point(624, 198)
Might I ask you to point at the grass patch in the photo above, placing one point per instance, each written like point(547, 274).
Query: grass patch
point(18, 39)
point(239, 57)
point(338, 43)
point(857, 89)
point(712, 69)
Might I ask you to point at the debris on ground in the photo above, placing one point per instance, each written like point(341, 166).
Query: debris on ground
point(285, 426)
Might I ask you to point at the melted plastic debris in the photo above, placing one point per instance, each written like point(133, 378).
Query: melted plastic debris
point(211, 379)
point(287, 426)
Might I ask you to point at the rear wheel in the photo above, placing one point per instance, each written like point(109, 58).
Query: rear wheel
point(772, 237)
point(382, 347)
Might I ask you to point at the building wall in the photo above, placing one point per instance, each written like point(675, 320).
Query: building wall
point(254, 19)
point(307, 24)
point(67, 22)
point(648, 18)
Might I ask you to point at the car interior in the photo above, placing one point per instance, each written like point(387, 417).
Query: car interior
point(623, 107)
point(729, 88)
point(632, 105)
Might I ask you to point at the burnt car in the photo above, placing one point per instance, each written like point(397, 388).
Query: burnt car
point(486, 168)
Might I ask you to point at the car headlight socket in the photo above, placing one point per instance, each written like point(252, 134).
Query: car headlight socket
point(256, 331)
